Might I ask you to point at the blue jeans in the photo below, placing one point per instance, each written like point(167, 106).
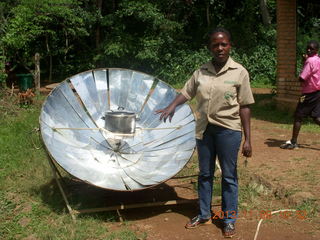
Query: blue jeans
point(224, 143)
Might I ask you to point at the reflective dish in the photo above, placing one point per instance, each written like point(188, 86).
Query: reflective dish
point(80, 141)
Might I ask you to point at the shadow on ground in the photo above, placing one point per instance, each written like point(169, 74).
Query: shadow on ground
point(147, 202)
point(271, 142)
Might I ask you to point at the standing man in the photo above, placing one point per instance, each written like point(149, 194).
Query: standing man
point(309, 102)
point(222, 90)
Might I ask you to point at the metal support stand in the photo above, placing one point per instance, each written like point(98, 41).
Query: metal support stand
point(117, 208)
point(55, 173)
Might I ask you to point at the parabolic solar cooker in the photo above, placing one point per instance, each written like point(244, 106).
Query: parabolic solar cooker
point(100, 126)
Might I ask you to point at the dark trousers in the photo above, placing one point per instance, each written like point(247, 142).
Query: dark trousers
point(224, 143)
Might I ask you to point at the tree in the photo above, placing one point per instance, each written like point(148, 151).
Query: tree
point(5, 15)
point(49, 27)
point(140, 34)
point(264, 12)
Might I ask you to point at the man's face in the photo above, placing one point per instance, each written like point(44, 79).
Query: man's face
point(311, 50)
point(220, 47)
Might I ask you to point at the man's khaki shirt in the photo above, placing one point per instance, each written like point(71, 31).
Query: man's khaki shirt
point(219, 95)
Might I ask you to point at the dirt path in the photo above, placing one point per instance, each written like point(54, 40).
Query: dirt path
point(291, 175)
point(170, 226)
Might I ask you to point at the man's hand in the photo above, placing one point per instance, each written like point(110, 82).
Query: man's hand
point(246, 149)
point(169, 111)
point(166, 112)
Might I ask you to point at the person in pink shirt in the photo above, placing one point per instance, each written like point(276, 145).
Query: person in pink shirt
point(309, 102)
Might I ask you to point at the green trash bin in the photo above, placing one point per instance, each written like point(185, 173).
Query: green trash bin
point(25, 81)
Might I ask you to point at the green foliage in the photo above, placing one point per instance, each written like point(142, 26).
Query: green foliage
point(246, 13)
point(178, 67)
point(260, 60)
point(260, 63)
point(163, 47)
point(140, 36)
point(48, 27)
point(308, 28)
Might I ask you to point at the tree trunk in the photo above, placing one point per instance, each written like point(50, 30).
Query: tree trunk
point(208, 13)
point(98, 27)
point(37, 72)
point(50, 60)
point(50, 69)
point(67, 46)
point(265, 13)
point(113, 5)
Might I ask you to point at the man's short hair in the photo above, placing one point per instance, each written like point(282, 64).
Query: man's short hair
point(220, 29)
point(314, 43)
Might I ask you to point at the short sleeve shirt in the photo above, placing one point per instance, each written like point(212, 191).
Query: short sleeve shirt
point(219, 95)
point(311, 75)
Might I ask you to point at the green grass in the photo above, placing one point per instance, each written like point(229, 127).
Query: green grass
point(30, 202)
point(310, 207)
point(261, 85)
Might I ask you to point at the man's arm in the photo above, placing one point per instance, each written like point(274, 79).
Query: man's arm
point(245, 115)
point(306, 70)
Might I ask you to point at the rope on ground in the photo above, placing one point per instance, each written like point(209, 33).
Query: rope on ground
point(274, 212)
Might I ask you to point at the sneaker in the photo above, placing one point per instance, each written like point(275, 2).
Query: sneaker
point(229, 230)
point(197, 221)
point(289, 145)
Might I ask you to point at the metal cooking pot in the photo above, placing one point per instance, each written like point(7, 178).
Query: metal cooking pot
point(120, 122)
